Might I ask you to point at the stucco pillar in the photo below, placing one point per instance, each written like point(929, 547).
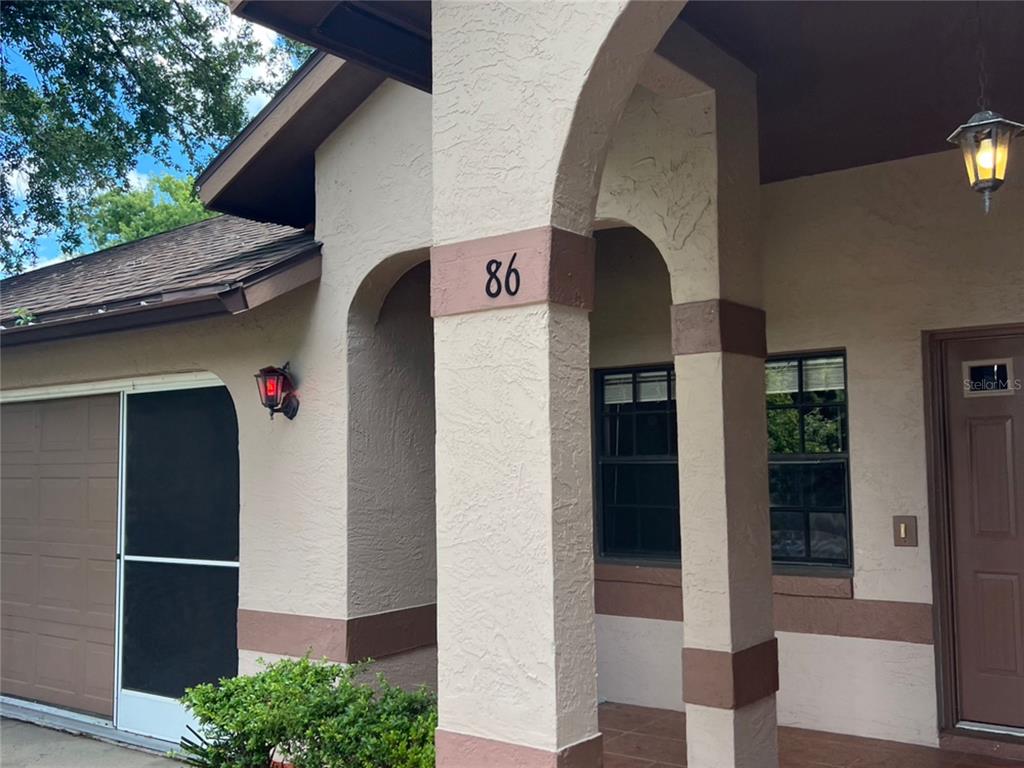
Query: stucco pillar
point(516, 649)
point(730, 655)
point(525, 96)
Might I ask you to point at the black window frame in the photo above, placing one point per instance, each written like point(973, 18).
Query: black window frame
point(807, 564)
point(599, 461)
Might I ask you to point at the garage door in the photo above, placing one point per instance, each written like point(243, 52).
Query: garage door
point(58, 528)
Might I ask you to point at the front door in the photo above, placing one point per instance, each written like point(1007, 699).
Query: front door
point(985, 423)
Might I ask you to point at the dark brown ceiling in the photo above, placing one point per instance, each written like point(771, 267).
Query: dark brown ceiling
point(842, 84)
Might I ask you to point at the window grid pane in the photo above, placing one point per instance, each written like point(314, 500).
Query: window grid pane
point(637, 484)
point(808, 444)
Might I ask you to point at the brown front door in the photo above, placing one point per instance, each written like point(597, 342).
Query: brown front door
point(985, 422)
point(58, 527)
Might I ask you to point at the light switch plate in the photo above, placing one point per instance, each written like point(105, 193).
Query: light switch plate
point(904, 530)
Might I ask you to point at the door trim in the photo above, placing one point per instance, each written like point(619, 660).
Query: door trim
point(109, 386)
point(934, 354)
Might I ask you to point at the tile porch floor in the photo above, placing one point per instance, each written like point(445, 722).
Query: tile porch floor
point(640, 737)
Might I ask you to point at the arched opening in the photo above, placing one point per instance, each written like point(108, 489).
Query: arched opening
point(391, 559)
point(636, 492)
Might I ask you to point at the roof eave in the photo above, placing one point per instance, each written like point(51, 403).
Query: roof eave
point(267, 173)
point(176, 306)
point(391, 37)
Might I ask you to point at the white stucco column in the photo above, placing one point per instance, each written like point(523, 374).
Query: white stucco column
point(516, 651)
point(683, 168)
point(525, 96)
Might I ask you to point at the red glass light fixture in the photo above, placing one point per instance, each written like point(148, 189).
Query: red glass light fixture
point(277, 391)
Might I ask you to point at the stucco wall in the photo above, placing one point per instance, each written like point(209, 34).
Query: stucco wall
point(866, 259)
point(391, 549)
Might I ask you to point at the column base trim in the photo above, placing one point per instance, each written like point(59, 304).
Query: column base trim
point(460, 750)
point(727, 680)
point(375, 636)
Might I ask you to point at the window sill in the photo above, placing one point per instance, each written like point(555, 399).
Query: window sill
point(816, 583)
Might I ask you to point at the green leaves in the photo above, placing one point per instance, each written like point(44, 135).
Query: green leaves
point(90, 86)
point(164, 203)
point(314, 715)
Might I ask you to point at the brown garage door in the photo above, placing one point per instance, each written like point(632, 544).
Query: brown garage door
point(58, 528)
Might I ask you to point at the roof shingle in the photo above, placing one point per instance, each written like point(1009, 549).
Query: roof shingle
point(217, 252)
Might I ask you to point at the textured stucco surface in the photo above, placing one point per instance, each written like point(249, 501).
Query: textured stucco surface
point(866, 259)
point(882, 689)
point(391, 549)
point(514, 526)
point(682, 168)
point(737, 738)
point(630, 323)
point(727, 599)
point(525, 95)
point(640, 661)
point(377, 163)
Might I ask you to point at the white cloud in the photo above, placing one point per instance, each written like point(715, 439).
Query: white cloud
point(137, 180)
point(264, 70)
point(17, 181)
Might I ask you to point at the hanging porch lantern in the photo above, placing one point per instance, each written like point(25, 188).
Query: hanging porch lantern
point(277, 391)
point(985, 142)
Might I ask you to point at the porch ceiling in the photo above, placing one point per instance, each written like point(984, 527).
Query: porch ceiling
point(843, 84)
point(840, 84)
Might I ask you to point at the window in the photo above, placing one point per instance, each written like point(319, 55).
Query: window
point(808, 459)
point(637, 484)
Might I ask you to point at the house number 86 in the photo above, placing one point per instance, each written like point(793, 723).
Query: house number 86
point(493, 286)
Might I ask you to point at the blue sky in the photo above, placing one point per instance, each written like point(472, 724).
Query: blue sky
point(47, 248)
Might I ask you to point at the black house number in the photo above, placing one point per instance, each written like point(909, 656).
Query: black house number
point(493, 286)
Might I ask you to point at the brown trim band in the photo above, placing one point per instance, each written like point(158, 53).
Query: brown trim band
point(649, 592)
point(802, 604)
point(344, 640)
point(551, 265)
point(870, 619)
point(727, 680)
point(717, 325)
point(813, 586)
point(459, 750)
point(638, 591)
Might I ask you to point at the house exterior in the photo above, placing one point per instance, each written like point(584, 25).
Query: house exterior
point(645, 354)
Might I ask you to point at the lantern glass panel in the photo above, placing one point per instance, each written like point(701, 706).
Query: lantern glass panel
point(1002, 135)
point(967, 145)
point(985, 155)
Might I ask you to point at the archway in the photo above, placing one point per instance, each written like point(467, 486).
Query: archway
point(391, 559)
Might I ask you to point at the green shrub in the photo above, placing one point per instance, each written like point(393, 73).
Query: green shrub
point(316, 714)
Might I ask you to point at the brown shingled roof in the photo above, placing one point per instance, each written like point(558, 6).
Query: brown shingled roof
point(199, 269)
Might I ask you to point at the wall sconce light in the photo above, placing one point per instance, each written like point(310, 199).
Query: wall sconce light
point(985, 141)
point(277, 391)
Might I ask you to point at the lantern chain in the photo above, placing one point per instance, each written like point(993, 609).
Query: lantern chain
point(980, 48)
